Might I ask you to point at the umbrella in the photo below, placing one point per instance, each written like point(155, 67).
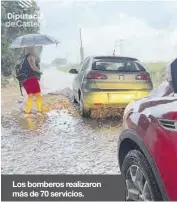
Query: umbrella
point(33, 40)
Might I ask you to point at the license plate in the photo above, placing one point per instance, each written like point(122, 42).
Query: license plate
point(114, 97)
point(121, 77)
point(120, 97)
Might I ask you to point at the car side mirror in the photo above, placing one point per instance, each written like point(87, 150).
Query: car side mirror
point(171, 75)
point(73, 71)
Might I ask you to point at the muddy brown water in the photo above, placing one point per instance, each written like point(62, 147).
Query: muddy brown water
point(60, 141)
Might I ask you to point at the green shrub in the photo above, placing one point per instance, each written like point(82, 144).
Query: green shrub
point(156, 71)
point(4, 81)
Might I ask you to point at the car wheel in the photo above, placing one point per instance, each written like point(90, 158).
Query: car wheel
point(74, 100)
point(83, 111)
point(141, 184)
point(73, 97)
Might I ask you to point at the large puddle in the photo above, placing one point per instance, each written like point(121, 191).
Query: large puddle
point(60, 141)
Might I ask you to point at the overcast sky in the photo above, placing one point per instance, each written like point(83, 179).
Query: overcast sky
point(149, 29)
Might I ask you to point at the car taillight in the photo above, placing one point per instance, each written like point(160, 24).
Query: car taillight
point(142, 77)
point(96, 75)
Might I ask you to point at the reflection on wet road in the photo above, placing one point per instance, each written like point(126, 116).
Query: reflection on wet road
point(58, 142)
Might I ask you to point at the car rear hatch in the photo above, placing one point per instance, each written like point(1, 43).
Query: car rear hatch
point(119, 74)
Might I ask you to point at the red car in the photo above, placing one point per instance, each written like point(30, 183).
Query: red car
point(147, 147)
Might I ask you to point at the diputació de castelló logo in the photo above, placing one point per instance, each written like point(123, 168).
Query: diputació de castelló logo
point(14, 19)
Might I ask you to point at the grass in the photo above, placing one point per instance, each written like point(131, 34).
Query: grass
point(63, 69)
point(67, 67)
point(4, 81)
point(155, 69)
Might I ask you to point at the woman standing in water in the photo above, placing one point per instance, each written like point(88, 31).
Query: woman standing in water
point(31, 82)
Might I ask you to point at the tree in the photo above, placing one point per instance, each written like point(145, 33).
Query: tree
point(8, 33)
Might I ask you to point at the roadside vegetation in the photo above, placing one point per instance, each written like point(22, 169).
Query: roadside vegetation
point(4, 81)
point(156, 70)
point(10, 56)
point(67, 67)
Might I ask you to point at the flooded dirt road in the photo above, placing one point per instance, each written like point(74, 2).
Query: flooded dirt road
point(59, 142)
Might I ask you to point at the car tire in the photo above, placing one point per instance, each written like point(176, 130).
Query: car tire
point(138, 177)
point(83, 111)
point(74, 100)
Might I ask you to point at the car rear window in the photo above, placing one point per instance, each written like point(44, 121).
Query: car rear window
point(116, 64)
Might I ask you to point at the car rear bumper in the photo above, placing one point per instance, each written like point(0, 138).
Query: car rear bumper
point(117, 99)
